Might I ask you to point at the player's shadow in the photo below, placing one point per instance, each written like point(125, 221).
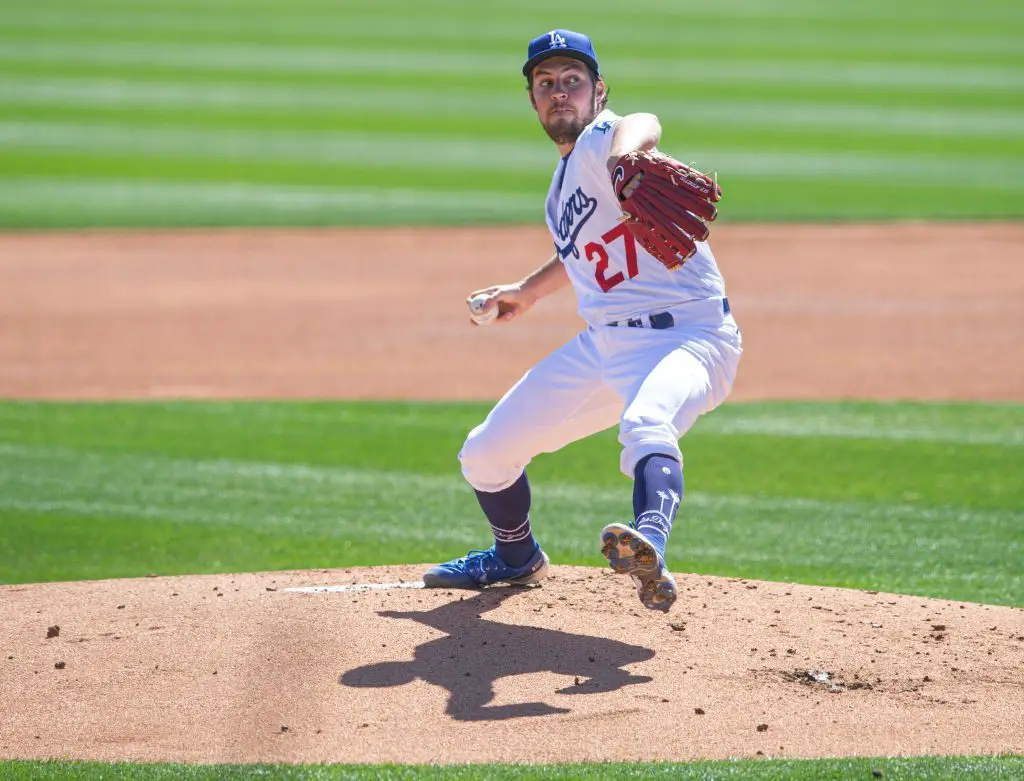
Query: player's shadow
point(475, 652)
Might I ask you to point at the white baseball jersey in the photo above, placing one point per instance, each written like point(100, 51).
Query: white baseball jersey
point(614, 277)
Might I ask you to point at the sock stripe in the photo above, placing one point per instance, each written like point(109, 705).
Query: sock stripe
point(518, 534)
point(655, 521)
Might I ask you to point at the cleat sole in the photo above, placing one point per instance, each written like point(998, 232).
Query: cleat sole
point(630, 554)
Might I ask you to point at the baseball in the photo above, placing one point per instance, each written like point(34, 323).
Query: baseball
point(476, 313)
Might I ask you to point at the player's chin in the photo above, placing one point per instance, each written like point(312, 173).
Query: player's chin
point(563, 128)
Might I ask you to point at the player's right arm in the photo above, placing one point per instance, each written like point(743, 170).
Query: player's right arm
point(513, 300)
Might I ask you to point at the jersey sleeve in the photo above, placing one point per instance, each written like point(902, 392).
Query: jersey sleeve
point(597, 140)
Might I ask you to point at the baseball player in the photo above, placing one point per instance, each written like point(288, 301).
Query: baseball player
point(660, 346)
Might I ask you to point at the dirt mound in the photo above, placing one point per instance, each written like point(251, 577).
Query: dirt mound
point(239, 668)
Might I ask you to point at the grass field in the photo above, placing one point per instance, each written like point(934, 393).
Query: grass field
point(905, 769)
point(916, 498)
point(309, 112)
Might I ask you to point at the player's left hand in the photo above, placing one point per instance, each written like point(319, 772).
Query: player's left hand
point(511, 300)
point(666, 204)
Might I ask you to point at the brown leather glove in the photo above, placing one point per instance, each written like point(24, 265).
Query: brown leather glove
point(667, 205)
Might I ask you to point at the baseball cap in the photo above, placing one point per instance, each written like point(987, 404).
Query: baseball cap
point(560, 43)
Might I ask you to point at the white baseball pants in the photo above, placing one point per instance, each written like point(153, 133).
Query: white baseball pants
point(653, 383)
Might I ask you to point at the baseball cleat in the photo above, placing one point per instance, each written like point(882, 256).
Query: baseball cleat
point(480, 568)
point(630, 553)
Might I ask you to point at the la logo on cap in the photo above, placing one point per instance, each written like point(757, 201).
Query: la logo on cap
point(556, 40)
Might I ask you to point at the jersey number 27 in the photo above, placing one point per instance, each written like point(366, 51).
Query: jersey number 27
point(596, 251)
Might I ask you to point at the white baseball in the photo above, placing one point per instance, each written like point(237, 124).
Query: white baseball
point(476, 313)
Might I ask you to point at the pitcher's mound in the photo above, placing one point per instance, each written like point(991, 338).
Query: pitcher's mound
point(240, 668)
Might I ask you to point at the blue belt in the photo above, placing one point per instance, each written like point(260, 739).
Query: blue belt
point(660, 320)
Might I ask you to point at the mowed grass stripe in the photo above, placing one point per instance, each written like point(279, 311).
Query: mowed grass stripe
point(874, 11)
point(477, 154)
point(191, 193)
point(510, 88)
point(299, 60)
point(858, 40)
point(296, 96)
point(444, 17)
point(1000, 425)
point(958, 423)
point(152, 481)
point(236, 486)
point(420, 515)
point(865, 466)
point(681, 136)
point(40, 201)
point(787, 427)
point(870, 9)
point(997, 768)
point(303, 101)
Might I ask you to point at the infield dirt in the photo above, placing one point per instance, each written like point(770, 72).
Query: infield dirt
point(860, 311)
point(237, 668)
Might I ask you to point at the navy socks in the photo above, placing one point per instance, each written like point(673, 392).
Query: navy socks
point(508, 512)
point(657, 489)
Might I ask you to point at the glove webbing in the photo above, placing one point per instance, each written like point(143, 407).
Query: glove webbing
point(663, 211)
point(679, 247)
point(694, 202)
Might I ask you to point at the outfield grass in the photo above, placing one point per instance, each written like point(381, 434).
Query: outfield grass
point(915, 498)
point(906, 769)
point(184, 112)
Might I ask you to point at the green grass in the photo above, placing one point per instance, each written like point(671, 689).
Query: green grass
point(398, 112)
point(906, 497)
point(916, 498)
point(902, 769)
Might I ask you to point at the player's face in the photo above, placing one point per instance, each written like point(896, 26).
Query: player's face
point(565, 96)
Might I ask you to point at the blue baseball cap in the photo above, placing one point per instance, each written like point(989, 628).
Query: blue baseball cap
point(560, 43)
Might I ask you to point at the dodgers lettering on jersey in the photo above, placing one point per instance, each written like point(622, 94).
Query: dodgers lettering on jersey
point(613, 276)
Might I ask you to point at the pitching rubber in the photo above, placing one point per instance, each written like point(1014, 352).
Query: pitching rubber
point(630, 553)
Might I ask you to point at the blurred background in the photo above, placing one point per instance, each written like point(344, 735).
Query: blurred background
point(307, 112)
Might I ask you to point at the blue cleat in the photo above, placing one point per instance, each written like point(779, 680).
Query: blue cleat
point(630, 553)
point(480, 568)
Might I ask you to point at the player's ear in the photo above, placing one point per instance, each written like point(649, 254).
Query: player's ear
point(602, 92)
point(533, 102)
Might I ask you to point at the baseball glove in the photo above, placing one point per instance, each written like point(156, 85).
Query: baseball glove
point(666, 204)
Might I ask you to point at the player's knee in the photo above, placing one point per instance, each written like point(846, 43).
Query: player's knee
point(645, 439)
point(485, 462)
